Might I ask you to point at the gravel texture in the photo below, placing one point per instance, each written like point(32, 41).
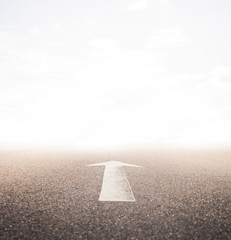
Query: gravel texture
point(179, 195)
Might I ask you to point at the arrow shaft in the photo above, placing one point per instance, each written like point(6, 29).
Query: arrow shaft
point(115, 185)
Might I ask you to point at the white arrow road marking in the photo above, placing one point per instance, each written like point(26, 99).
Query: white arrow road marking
point(115, 185)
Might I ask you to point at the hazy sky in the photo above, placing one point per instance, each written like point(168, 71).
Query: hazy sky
point(113, 73)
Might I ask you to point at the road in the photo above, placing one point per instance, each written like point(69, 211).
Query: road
point(54, 195)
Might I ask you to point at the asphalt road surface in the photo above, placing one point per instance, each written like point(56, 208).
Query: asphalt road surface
point(178, 195)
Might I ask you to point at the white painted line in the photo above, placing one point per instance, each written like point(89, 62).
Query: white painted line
point(115, 185)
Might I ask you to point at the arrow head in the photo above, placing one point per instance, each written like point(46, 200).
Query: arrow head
point(114, 164)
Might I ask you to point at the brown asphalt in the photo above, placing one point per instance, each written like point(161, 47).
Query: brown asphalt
point(54, 195)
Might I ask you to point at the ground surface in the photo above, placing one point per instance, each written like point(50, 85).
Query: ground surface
point(179, 195)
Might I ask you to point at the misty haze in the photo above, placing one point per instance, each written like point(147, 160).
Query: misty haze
point(115, 119)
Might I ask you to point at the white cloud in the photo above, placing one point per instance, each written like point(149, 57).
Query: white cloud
point(60, 84)
point(102, 43)
point(167, 37)
point(138, 5)
point(220, 77)
point(35, 31)
point(159, 7)
point(108, 108)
